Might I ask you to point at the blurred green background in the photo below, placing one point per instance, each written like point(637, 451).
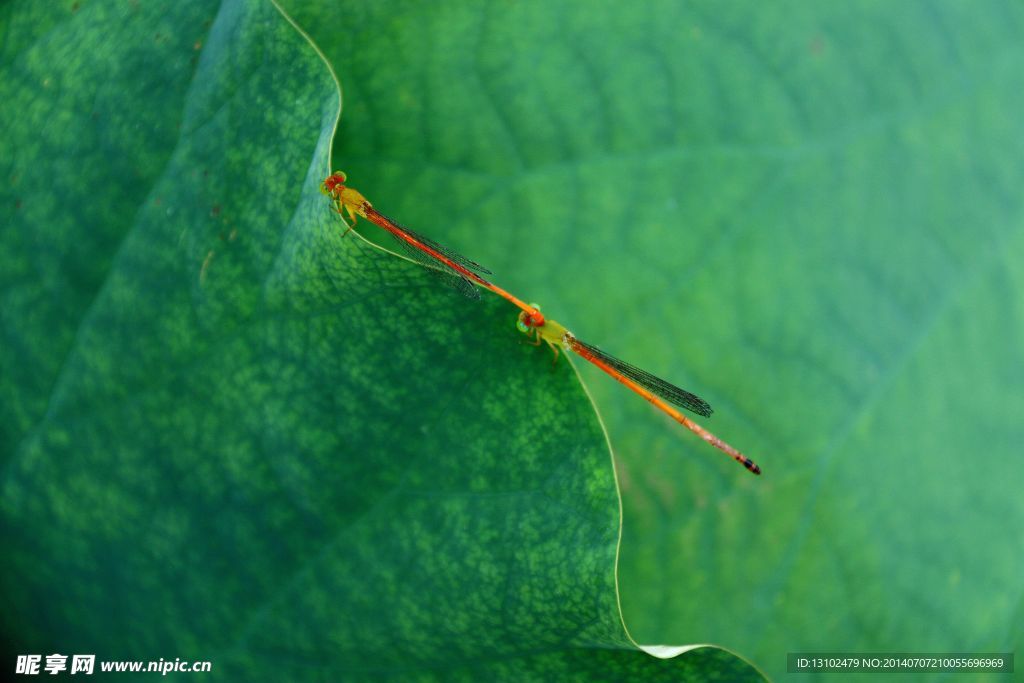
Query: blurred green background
point(807, 213)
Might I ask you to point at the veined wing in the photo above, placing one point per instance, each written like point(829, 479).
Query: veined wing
point(439, 270)
point(453, 256)
point(656, 385)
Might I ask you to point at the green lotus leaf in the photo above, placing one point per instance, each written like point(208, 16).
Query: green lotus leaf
point(806, 213)
point(232, 434)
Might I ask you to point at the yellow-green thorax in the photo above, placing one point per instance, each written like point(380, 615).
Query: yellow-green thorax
point(554, 333)
point(352, 200)
point(346, 200)
point(549, 331)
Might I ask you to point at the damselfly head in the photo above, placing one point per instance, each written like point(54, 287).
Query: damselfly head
point(333, 183)
point(521, 324)
point(530, 319)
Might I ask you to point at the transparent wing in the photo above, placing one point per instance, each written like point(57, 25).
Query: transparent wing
point(439, 270)
point(437, 267)
point(655, 385)
point(439, 248)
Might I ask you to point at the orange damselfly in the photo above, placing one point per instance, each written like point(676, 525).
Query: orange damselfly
point(656, 391)
point(457, 271)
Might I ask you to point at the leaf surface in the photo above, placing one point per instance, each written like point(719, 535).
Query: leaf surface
point(230, 434)
point(806, 213)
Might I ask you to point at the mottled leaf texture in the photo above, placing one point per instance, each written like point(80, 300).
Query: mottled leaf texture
point(807, 213)
point(230, 434)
